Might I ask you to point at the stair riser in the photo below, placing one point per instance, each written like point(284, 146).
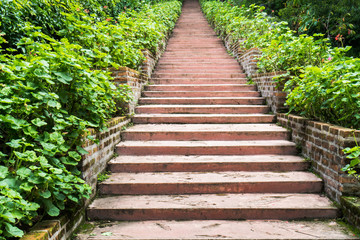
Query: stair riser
point(198, 67)
point(204, 136)
point(200, 94)
point(193, 51)
point(197, 38)
point(202, 55)
point(199, 75)
point(197, 71)
point(208, 167)
point(201, 110)
point(200, 88)
point(198, 81)
point(202, 120)
point(199, 58)
point(207, 214)
point(181, 61)
point(220, 150)
point(210, 188)
point(205, 101)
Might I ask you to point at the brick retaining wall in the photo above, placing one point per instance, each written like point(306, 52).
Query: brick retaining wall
point(271, 90)
point(323, 144)
point(99, 154)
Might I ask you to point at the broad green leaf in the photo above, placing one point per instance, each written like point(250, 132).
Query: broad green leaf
point(14, 143)
point(63, 77)
point(75, 155)
point(38, 122)
point(51, 209)
point(45, 194)
point(23, 172)
point(13, 230)
point(3, 172)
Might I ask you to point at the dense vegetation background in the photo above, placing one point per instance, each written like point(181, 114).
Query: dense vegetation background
point(339, 20)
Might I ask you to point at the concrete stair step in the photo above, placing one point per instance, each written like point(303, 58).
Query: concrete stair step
point(200, 94)
point(202, 118)
point(198, 71)
point(212, 207)
point(202, 109)
point(222, 229)
point(203, 101)
point(174, 163)
point(210, 183)
point(189, 51)
point(198, 61)
point(201, 87)
point(196, 55)
point(142, 148)
point(204, 132)
point(199, 75)
point(178, 81)
point(198, 66)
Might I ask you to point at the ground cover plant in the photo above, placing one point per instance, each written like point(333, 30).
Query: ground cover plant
point(55, 85)
point(323, 82)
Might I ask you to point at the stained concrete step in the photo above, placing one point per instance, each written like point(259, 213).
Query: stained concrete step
point(201, 109)
point(203, 118)
point(177, 81)
point(251, 206)
point(194, 51)
point(200, 94)
point(195, 66)
point(204, 132)
point(198, 71)
point(202, 87)
point(204, 101)
point(143, 148)
point(204, 54)
point(199, 58)
point(210, 182)
point(197, 61)
point(174, 163)
point(221, 229)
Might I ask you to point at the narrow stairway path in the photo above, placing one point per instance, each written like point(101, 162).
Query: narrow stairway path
point(205, 159)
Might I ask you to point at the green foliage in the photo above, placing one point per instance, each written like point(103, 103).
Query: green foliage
point(354, 166)
point(54, 86)
point(281, 49)
point(330, 93)
point(337, 20)
point(51, 15)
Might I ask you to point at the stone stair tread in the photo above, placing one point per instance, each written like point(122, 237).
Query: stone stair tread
point(209, 144)
point(202, 115)
point(208, 98)
point(209, 177)
point(205, 128)
point(220, 229)
point(168, 159)
point(215, 201)
point(201, 106)
point(201, 85)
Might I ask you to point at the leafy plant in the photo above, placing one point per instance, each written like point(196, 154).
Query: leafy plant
point(55, 84)
point(353, 168)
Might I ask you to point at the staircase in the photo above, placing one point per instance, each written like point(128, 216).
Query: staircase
point(205, 155)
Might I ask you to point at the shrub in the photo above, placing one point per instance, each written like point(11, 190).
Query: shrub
point(55, 86)
point(330, 93)
point(329, 17)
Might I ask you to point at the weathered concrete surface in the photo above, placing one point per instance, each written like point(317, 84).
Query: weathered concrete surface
point(240, 230)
